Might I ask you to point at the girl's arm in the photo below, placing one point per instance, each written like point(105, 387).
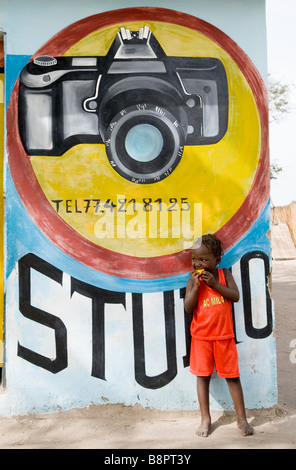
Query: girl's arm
point(191, 294)
point(230, 292)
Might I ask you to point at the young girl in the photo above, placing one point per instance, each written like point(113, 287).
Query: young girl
point(209, 293)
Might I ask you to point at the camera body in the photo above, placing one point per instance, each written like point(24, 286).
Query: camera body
point(142, 105)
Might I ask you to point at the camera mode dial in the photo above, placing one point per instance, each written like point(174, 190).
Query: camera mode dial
point(45, 61)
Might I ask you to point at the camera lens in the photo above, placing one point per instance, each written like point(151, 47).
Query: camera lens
point(144, 143)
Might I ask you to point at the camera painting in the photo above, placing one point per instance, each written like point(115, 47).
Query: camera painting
point(140, 136)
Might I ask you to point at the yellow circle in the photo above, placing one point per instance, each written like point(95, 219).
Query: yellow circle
point(210, 180)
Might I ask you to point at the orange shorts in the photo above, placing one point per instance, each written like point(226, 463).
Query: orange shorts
point(223, 353)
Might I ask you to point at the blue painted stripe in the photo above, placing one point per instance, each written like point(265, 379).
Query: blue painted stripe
point(23, 237)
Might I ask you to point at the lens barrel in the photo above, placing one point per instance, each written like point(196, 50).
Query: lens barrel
point(144, 143)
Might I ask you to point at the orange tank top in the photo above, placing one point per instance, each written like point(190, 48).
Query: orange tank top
point(212, 317)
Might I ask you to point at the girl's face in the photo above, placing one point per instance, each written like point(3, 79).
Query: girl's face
point(203, 258)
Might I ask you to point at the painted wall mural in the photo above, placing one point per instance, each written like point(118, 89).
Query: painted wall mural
point(130, 133)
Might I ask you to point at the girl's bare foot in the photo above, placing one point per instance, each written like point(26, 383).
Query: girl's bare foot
point(204, 428)
point(245, 428)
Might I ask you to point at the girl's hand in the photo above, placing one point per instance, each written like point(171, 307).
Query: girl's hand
point(230, 291)
point(208, 278)
point(195, 278)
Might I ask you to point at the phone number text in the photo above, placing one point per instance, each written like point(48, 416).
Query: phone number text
point(99, 206)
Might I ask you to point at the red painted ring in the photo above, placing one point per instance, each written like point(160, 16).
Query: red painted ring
point(71, 242)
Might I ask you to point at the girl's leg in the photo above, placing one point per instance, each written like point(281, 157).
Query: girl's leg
point(236, 393)
point(203, 384)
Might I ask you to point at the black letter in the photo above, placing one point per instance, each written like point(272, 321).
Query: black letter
point(187, 325)
point(99, 297)
point(250, 330)
point(140, 370)
point(57, 202)
point(44, 318)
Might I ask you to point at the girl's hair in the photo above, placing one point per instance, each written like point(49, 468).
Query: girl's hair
point(211, 242)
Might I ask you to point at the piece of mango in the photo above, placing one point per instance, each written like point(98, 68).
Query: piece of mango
point(199, 271)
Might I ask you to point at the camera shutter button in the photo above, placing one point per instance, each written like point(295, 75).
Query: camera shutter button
point(45, 61)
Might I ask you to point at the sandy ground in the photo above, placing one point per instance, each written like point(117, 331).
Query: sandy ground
point(114, 427)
